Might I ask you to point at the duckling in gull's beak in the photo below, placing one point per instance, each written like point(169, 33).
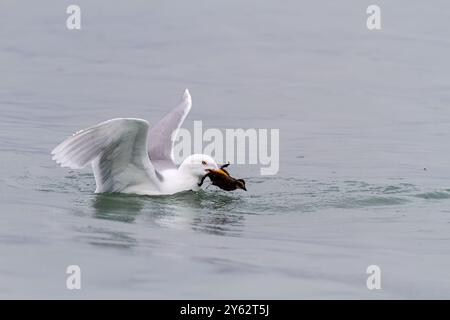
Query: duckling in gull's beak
point(222, 179)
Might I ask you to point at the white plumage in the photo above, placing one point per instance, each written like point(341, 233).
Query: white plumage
point(129, 157)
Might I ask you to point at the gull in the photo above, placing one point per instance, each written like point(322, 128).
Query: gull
point(129, 156)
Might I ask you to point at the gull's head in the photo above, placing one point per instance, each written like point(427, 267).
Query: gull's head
point(198, 165)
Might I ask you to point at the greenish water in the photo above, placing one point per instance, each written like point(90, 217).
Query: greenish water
point(364, 124)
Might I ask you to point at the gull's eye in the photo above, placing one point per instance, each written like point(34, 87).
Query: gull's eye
point(204, 163)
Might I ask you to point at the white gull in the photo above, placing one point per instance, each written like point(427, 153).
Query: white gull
point(128, 156)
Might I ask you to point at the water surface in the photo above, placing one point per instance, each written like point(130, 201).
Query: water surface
point(364, 122)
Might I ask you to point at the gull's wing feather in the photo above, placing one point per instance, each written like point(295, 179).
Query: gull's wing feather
point(162, 136)
point(117, 150)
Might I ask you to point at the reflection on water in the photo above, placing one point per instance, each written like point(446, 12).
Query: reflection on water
point(117, 207)
point(221, 213)
point(212, 212)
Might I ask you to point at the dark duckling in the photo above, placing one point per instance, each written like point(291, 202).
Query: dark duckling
point(222, 179)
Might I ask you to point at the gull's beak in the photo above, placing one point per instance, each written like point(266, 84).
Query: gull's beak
point(218, 171)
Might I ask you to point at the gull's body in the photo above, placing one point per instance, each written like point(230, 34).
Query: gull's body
point(128, 156)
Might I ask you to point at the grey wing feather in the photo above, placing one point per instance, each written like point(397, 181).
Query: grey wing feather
point(162, 136)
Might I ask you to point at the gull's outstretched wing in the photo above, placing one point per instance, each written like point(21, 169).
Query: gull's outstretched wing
point(117, 150)
point(162, 136)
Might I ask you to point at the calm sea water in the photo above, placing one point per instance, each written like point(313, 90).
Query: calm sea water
point(364, 119)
